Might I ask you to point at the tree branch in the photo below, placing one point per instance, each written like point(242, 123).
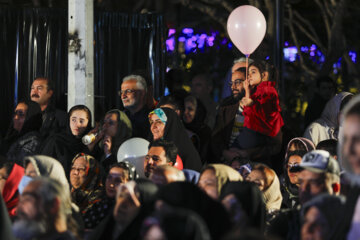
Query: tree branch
point(325, 18)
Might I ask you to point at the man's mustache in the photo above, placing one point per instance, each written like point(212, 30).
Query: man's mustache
point(35, 95)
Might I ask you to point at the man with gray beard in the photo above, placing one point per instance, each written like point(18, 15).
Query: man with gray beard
point(42, 212)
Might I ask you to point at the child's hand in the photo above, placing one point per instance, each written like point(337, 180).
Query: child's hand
point(246, 102)
point(107, 145)
point(247, 88)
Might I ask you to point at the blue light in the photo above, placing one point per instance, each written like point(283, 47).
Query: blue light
point(188, 31)
point(304, 49)
point(230, 45)
point(353, 56)
point(290, 53)
point(286, 43)
point(267, 58)
point(182, 39)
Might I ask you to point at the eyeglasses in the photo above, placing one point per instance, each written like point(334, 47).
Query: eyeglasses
point(236, 82)
point(291, 165)
point(78, 169)
point(109, 122)
point(19, 113)
point(127, 92)
point(153, 157)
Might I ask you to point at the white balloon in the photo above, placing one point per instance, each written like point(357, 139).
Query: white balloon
point(134, 151)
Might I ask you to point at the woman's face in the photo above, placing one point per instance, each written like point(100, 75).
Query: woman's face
point(78, 172)
point(110, 125)
point(293, 176)
point(258, 178)
point(254, 76)
point(157, 127)
point(189, 113)
point(30, 170)
point(19, 116)
point(78, 122)
point(208, 183)
point(116, 176)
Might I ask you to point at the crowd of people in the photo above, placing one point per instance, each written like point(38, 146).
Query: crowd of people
point(211, 170)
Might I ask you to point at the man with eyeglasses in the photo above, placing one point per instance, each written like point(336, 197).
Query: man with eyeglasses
point(229, 119)
point(54, 120)
point(133, 96)
point(161, 152)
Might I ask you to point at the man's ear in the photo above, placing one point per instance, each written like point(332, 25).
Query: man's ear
point(336, 187)
point(51, 92)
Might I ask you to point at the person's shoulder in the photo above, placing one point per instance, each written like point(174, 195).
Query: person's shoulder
point(229, 101)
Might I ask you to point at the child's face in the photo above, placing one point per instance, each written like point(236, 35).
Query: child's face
point(254, 76)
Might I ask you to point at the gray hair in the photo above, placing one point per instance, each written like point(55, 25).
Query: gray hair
point(242, 59)
point(140, 81)
point(179, 176)
point(49, 190)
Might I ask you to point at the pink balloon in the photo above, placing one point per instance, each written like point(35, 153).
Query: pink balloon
point(246, 26)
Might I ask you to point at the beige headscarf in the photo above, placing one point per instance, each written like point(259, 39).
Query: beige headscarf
point(224, 174)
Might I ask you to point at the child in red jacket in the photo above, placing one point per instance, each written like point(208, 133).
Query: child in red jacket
point(261, 109)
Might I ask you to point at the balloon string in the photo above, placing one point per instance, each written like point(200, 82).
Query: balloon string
point(247, 93)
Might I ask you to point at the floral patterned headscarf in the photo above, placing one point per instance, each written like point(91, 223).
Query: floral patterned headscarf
point(91, 191)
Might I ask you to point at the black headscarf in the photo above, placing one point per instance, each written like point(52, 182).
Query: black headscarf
point(64, 146)
point(178, 224)
point(175, 131)
point(33, 121)
point(5, 232)
point(187, 195)
point(250, 198)
point(200, 114)
point(124, 130)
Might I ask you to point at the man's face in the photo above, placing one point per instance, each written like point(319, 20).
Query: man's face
point(237, 83)
point(39, 92)
point(19, 116)
point(315, 225)
point(200, 87)
point(312, 184)
point(78, 172)
point(326, 90)
point(34, 218)
point(208, 183)
point(350, 149)
point(115, 177)
point(131, 96)
point(155, 157)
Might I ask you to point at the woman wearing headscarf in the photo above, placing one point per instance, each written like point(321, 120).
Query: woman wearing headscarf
point(166, 124)
point(119, 173)
point(327, 126)
point(193, 119)
point(10, 177)
point(65, 145)
point(23, 137)
point(244, 203)
point(296, 149)
point(85, 180)
point(215, 176)
point(115, 130)
point(134, 201)
point(187, 195)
